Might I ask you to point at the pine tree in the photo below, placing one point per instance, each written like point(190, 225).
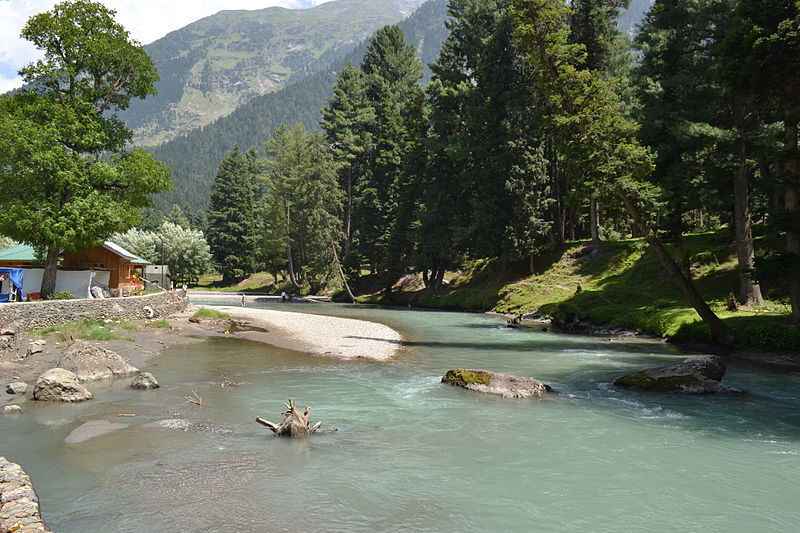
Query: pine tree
point(765, 62)
point(349, 121)
point(304, 204)
point(230, 219)
point(392, 70)
point(594, 132)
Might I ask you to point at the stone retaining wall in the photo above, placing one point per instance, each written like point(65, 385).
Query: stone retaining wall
point(19, 504)
point(24, 316)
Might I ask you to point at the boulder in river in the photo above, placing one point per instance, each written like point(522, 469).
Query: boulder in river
point(60, 385)
point(489, 382)
point(17, 387)
point(91, 362)
point(12, 410)
point(92, 429)
point(145, 381)
point(696, 375)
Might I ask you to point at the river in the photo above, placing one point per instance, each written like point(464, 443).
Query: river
point(411, 454)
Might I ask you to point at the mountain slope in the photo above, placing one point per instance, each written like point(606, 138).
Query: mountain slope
point(195, 156)
point(216, 64)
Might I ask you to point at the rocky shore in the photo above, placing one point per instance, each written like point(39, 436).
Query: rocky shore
point(19, 504)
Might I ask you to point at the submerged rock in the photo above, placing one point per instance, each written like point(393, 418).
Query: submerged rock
point(145, 381)
point(91, 362)
point(17, 387)
point(489, 382)
point(12, 410)
point(60, 385)
point(181, 424)
point(696, 375)
point(92, 429)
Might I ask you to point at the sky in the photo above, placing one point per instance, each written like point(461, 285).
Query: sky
point(146, 20)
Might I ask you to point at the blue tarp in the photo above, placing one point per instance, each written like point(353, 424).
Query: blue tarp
point(14, 275)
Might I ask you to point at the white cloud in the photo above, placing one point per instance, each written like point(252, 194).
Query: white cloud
point(146, 20)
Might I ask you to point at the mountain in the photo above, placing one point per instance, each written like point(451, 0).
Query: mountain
point(194, 157)
point(214, 65)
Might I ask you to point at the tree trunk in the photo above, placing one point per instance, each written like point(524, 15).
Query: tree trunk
point(348, 214)
point(749, 290)
point(594, 221)
point(722, 333)
point(295, 423)
point(341, 273)
point(50, 272)
point(791, 196)
point(289, 259)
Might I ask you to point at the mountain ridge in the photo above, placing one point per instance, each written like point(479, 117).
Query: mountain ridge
point(217, 63)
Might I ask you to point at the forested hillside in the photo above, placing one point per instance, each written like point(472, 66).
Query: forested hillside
point(214, 65)
point(194, 157)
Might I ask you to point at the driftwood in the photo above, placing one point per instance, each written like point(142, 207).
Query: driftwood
point(295, 423)
point(194, 398)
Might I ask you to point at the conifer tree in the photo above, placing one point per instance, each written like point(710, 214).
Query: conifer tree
point(349, 121)
point(594, 132)
point(392, 70)
point(304, 204)
point(765, 62)
point(230, 217)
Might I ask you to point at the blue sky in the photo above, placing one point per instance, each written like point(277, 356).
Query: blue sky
point(146, 20)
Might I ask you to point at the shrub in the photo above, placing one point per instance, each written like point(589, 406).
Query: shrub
point(61, 295)
point(210, 313)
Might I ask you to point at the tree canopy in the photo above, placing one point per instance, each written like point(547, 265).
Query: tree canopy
point(65, 181)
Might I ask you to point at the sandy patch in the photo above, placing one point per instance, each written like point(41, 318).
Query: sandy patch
point(345, 338)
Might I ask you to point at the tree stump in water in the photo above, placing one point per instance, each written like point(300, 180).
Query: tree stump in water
point(295, 423)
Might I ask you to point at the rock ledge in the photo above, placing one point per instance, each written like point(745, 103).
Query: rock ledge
point(19, 504)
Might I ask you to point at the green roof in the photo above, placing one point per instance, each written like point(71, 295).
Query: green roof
point(21, 252)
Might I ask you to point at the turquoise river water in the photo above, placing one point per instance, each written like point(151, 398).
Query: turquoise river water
point(412, 454)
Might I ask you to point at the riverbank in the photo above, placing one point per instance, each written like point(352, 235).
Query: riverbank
point(19, 504)
point(613, 285)
point(344, 338)
point(137, 341)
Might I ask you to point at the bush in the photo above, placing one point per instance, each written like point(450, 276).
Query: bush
point(61, 295)
point(210, 313)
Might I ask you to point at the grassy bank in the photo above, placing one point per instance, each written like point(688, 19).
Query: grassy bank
point(619, 284)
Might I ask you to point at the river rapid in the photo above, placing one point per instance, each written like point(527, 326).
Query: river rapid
point(412, 454)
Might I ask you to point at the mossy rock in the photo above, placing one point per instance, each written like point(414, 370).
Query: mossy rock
point(462, 378)
point(696, 375)
point(489, 382)
point(643, 381)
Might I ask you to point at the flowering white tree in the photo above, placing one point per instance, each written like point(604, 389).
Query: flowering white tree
point(7, 242)
point(184, 250)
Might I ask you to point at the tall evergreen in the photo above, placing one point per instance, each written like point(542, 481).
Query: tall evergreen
point(392, 70)
point(764, 62)
point(483, 95)
point(349, 121)
point(304, 204)
point(230, 217)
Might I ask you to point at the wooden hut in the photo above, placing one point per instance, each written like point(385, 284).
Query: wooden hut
point(121, 264)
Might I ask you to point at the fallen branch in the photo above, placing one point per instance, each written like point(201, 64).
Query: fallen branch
point(295, 423)
point(194, 398)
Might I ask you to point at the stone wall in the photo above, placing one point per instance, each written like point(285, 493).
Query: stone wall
point(24, 316)
point(19, 504)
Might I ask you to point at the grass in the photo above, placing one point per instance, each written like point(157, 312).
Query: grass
point(260, 282)
point(160, 323)
point(95, 330)
point(210, 313)
point(619, 283)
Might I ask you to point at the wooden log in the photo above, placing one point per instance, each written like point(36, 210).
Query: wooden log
point(295, 423)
